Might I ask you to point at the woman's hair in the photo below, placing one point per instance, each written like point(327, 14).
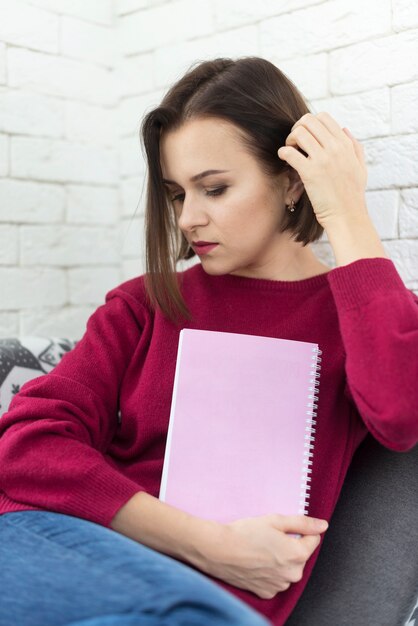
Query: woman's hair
point(259, 99)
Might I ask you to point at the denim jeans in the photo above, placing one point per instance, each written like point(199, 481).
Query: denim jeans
point(56, 569)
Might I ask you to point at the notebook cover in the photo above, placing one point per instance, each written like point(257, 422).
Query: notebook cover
point(240, 432)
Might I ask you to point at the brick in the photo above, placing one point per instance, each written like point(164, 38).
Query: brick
point(323, 251)
point(404, 254)
point(68, 322)
point(23, 201)
point(89, 286)
point(383, 210)
point(4, 155)
point(133, 192)
point(58, 76)
point(132, 161)
point(9, 245)
point(131, 111)
point(173, 60)
point(64, 161)
point(27, 113)
point(24, 288)
point(185, 265)
point(391, 161)
point(171, 22)
point(404, 14)
point(135, 75)
point(323, 27)
point(309, 74)
point(364, 114)
point(89, 42)
point(132, 234)
point(124, 7)
point(9, 325)
point(231, 14)
point(68, 246)
point(132, 268)
point(97, 11)
point(388, 63)
point(92, 205)
point(24, 25)
point(2, 63)
point(404, 108)
point(88, 123)
point(408, 213)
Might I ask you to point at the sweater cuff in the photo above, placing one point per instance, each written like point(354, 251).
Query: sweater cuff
point(357, 283)
point(103, 494)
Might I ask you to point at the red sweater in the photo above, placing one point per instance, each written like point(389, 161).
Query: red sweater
point(63, 449)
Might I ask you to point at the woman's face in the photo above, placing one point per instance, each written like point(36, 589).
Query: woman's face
point(239, 209)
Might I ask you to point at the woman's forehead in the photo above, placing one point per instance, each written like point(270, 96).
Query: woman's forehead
point(199, 145)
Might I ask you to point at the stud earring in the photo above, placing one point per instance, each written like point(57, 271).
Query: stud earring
point(291, 207)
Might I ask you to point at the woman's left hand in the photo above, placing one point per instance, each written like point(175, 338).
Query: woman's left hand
point(333, 173)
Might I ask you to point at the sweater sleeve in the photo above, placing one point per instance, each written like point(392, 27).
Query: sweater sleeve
point(378, 318)
point(58, 426)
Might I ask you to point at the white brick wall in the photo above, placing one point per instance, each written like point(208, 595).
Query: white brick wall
point(61, 161)
point(59, 76)
point(4, 155)
point(95, 11)
point(2, 63)
point(76, 78)
point(60, 244)
point(24, 25)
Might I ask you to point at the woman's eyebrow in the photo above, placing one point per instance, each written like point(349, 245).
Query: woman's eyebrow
point(197, 176)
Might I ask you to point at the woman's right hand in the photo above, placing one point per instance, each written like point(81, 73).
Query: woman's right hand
point(259, 555)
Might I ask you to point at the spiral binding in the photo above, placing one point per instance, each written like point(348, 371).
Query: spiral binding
point(310, 429)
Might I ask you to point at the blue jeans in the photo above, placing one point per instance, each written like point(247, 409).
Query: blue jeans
point(56, 569)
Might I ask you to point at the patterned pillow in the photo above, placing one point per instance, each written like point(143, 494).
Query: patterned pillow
point(24, 358)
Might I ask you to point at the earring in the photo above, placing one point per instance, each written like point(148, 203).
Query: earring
point(291, 207)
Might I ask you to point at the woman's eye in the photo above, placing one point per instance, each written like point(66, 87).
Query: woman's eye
point(212, 192)
point(216, 192)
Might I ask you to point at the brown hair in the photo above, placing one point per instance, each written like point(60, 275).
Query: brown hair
point(254, 95)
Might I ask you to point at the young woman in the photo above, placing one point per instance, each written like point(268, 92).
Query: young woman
point(243, 175)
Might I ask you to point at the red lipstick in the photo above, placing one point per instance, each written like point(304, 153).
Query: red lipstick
point(203, 247)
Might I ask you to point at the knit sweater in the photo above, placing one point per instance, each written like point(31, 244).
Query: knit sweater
point(83, 439)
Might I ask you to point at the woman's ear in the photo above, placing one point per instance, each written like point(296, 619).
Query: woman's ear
point(294, 187)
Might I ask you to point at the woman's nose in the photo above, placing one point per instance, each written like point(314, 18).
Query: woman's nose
point(192, 214)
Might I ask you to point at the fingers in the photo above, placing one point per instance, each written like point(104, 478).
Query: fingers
point(312, 132)
point(316, 128)
point(358, 148)
point(304, 139)
point(293, 157)
point(299, 524)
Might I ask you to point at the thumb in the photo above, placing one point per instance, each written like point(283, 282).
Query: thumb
point(299, 524)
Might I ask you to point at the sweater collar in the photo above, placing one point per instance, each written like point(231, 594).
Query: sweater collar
point(231, 280)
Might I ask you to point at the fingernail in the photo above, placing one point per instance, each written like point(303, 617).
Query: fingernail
point(322, 524)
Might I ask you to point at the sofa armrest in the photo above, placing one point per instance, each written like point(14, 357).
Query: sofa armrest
point(367, 571)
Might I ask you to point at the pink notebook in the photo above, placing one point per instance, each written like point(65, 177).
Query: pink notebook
point(241, 431)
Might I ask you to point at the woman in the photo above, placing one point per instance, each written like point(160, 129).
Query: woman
point(243, 175)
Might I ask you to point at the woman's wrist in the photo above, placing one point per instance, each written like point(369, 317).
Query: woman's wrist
point(169, 530)
point(207, 543)
point(354, 238)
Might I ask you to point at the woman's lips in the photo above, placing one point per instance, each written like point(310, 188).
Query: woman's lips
point(203, 248)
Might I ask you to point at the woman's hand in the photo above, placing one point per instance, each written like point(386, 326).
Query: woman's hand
point(334, 172)
point(257, 554)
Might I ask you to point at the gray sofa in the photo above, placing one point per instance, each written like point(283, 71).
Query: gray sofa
point(367, 571)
